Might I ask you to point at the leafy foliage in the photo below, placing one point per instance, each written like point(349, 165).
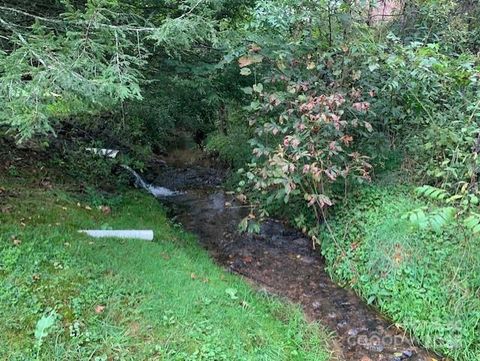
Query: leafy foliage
point(437, 110)
point(462, 206)
point(51, 74)
point(91, 58)
point(420, 275)
point(306, 125)
point(308, 100)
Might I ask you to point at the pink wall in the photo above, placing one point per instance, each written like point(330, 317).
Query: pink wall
point(384, 9)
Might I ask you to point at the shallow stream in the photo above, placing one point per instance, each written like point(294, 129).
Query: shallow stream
point(281, 261)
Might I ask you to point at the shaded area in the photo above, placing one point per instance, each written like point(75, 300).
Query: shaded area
point(283, 261)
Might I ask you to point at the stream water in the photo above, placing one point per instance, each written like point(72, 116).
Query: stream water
point(281, 261)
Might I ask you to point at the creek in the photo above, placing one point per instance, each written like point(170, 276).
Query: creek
point(279, 260)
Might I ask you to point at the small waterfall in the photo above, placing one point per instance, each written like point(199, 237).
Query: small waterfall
point(153, 190)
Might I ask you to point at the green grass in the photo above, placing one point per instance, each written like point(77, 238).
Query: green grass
point(125, 299)
point(425, 281)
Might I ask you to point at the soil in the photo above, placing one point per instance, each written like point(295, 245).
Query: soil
point(282, 261)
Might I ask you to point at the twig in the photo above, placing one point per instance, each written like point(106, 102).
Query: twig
point(191, 9)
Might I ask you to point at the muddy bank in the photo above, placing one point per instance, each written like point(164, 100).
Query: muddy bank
point(282, 261)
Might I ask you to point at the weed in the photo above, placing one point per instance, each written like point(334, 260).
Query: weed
point(425, 279)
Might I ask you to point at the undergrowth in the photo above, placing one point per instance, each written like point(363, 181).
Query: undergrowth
point(425, 281)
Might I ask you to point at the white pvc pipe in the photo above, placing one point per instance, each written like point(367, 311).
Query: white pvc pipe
point(110, 153)
point(146, 235)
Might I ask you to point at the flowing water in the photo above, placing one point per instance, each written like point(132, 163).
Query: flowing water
point(281, 261)
point(156, 191)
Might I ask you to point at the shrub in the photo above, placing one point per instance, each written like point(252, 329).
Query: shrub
point(423, 278)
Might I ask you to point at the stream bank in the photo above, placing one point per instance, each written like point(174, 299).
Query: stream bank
point(281, 261)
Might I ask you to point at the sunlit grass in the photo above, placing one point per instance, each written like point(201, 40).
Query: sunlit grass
point(126, 299)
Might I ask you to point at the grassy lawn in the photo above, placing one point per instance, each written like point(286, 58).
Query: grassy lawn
point(428, 282)
point(64, 296)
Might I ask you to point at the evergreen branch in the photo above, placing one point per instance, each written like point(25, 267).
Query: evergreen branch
point(81, 23)
point(96, 25)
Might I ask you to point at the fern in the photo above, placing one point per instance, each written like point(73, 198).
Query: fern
point(439, 218)
point(435, 220)
point(472, 223)
point(417, 217)
point(442, 217)
point(433, 193)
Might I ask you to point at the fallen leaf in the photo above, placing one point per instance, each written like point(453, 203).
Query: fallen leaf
point(254, 48)
point(242, 198)
point(6, 209)
point(134, 328)
point(105, 209)
point(46, 184)
point(249, 60)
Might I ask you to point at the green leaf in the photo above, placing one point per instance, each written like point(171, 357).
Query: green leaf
point(245, 71)
point(471, 221)
point(243, 226)
point(253, 227)
point(373, 67)
point(258, 88)
point(43, 326)
point(476, 229)
point(248, 90)
point(232, 292)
